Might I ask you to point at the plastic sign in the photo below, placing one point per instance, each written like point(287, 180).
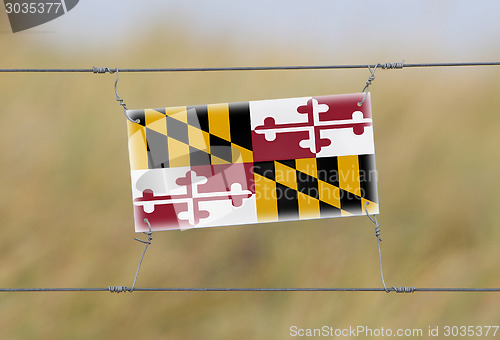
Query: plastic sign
point(252, 162)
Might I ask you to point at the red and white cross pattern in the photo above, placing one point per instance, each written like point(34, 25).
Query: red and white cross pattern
point(311, 127)
point(197, 196)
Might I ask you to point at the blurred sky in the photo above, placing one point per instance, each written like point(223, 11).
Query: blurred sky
point(342, 31)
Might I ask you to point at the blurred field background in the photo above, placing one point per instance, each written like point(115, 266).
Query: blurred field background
point(66, 213)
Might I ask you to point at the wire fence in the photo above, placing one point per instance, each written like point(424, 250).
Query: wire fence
point(371, 67)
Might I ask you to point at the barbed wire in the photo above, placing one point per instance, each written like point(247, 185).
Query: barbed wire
point(398, 65)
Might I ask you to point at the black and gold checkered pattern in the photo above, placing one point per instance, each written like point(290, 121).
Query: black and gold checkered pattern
point(189, 136)
point(315, 187)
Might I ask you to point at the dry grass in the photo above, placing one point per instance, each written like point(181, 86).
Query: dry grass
point(67, 219)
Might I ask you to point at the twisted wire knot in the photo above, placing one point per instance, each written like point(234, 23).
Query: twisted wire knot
point(103, 70)
point(374, 221)
point(391, 66)
point(369, 81)
point(378, 232)
point(118, 289)
point(403, 289)
point(147, 233)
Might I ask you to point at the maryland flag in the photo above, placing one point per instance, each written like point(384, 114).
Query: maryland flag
point(252, 162)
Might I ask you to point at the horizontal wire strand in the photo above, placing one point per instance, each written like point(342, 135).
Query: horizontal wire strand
point(119, 289)
point(250, 68)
